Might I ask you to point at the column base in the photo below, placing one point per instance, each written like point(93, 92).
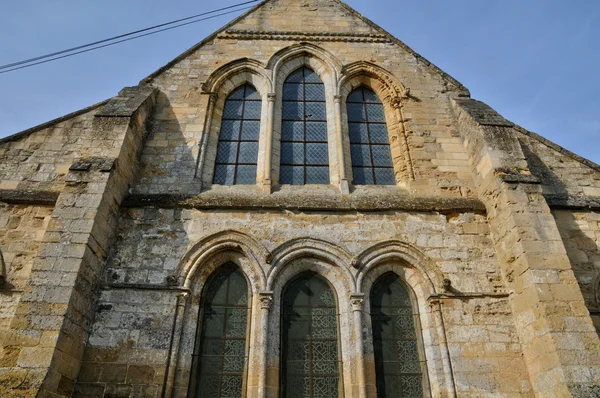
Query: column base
point(344, 187)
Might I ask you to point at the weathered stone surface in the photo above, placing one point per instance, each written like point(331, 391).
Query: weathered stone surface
point(111, 226)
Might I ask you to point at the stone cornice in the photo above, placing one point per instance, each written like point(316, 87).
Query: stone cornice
point(20, 196)
point(573, 202)
point(305, 36)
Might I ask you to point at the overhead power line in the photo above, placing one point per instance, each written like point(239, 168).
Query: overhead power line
point(129, 36)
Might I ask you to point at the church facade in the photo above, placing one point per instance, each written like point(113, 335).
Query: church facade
point(298, 206)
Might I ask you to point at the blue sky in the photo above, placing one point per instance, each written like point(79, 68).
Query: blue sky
point(537, 62)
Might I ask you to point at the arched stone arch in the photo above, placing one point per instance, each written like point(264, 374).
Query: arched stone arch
point(308, 51)
point(308, 248)
point(328, 67)
point(421, 276)
point(392, 94)
point(235, 73)
point(219, 85)
point(398, 251)
point(227, 241)
point(385, 85)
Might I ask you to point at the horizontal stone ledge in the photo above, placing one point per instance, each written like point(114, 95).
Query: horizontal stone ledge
point(573, 202)
point(467, 296)
point(29, 197)
point(308, 202)
point(144, 286)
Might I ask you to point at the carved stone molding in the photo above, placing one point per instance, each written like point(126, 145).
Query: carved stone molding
point(266, 300)
point(317, 36)
point(357, 301)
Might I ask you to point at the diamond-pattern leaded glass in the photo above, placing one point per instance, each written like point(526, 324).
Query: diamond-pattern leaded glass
point(369, 141)
point(400, 368)
point(310, 359)
point(237, 151)
point(304, 152)
point(220, 357)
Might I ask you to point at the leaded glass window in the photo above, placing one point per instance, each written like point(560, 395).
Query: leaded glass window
point(369, 140)
point(399, 364)
point(310, 360)
point(220, 354)
point(237, 151)
point(304, 152)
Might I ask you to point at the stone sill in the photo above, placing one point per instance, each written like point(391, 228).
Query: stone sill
point(309, 198)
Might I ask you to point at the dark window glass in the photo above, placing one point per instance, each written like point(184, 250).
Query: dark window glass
point(220, 355)
point(369, 141)
point(304, 152)
point(310, 359)
point(237, 151)
point(399, 365)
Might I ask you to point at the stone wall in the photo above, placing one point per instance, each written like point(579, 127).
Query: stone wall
point(580, 231)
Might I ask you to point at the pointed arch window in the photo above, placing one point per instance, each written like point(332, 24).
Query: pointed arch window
point(369, 140)
point(310, 358)
point(237, 151)
point(399, 360)
point(220, 355)
point(304, 152)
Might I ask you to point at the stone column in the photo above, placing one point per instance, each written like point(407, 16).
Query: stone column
point(207, 127)
point(266, 184)
point(344, 184)
point(266, 304)
point(436, 307)
point(560, 345)
point(358, 300)
point(397, 104)
point(182, 299)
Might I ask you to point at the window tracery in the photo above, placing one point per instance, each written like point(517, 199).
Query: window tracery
point(310, 360)
point(220, 356)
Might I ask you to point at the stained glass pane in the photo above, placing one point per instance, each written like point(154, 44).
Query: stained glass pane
point(292, 131)
point(250, 130)
point(315, 111)
point(293, 110)
point(246, 174)
point(310, 356)
point(293, 175)
point(303, 126)
point(317, 175)
point(221, 360)
point(398, 363)
point(241, 122)
point(372, 160)
point(230, 130)
point(224, 174)
point(316, 154)
point(293, 92)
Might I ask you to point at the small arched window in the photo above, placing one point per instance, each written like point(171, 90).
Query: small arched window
point(400, 367)
point(369, 140)
point(237, 151)
point(220, 355)
point(310, 363)
point(304, 152)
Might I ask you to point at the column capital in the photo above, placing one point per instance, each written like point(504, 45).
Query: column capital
point(266, 300)
point(397, 102)
point(271, 97)
point(357, 300)
point(212, 98)
point(337, 98)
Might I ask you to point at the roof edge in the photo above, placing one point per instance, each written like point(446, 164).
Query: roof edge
point(190, 50)
point(557, 147)
point(29, 131)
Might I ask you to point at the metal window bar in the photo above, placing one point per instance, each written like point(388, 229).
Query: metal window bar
point(369, 142)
